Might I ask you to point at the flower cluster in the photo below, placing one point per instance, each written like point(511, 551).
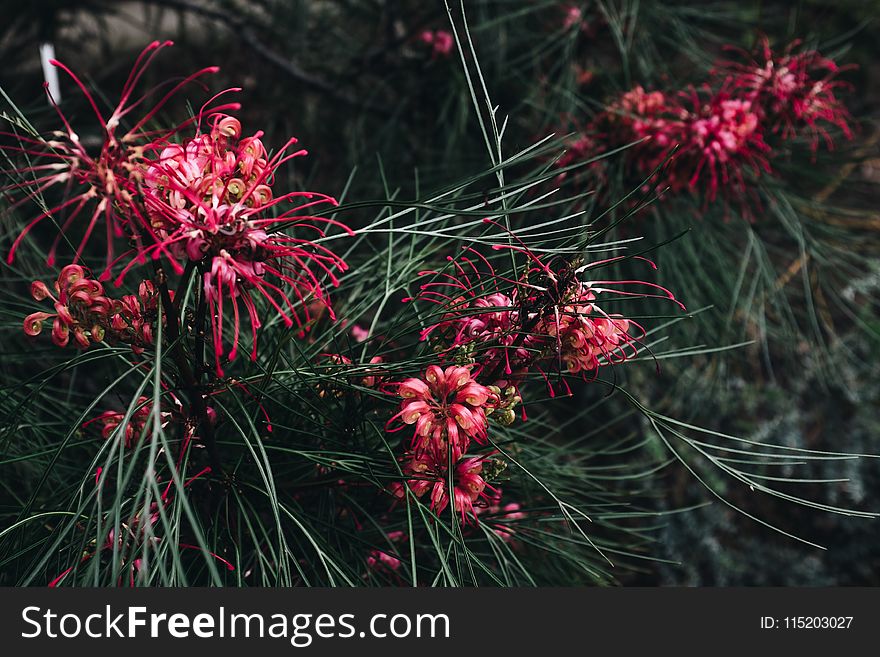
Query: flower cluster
point(201, 204)
point(476, 313)
point(796, 92)
point(207, 200)
point(109, 421)
point(425, 474)
point(719, 138)
point(101, 186)
point(583, 337)
point(724, 140)
point(85, 313)
point(721, 128)
point(382, 561)
point(448, 410)
point(441, 42)
point(548, 321)
point(206, 204)
point(545, 320)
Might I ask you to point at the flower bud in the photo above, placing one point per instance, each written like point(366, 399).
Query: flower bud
point(71, 274)
point(81, 338)
point(506, 417)
point(146, 290)
point(262, 194)
point(235, 188)
point(228, 126)
point(60, 333)
point(33, 323)
point(39, 291)
point(64, 315)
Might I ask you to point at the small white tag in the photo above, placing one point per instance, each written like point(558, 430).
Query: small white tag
point(50, 73)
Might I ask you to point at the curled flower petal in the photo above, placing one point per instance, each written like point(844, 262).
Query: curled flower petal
point(413, 388)
point(33, 323)
point(39, 291)
point(60, 333)
point(435, 375)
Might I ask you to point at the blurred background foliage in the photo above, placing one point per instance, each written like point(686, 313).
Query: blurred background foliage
point(797, 288)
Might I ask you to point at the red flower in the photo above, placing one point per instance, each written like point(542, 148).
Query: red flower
point(101, 186)
point(719, 136)
point(442, 42)
point(583, 337)
point(722, 146)
point(548, 319)
point(210, 201)
point(647, 123)
point(448, 409)
point(131, 433)
point(796, 92)
point(649, 114)
point(476, 313)
point(85, 312)
point(425, 473)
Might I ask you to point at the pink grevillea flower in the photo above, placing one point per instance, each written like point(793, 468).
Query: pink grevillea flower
point(442, 42)
point(477, 314)
point(719, 137)
point(426, 474)
point(582, 336)
point(501, 517)
point(447, 408)
point(573, 17)
point(472, 314)
point(84, 312)
point(795, 92)
point(100, 186)
point(653, 122)
point(131, 433)
point(569, 330)
point(137, 533)
point(545, 320)
point(652, 115)
point(723, 144)
point(210, 202)
point(382, 561)
point(648, 123)
point(370, 378)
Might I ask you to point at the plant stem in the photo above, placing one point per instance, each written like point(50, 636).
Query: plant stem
point(201, 312)
point(194, 391)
